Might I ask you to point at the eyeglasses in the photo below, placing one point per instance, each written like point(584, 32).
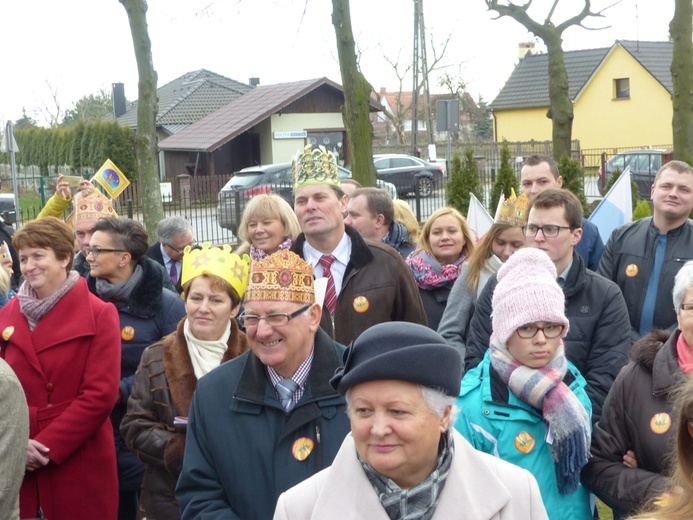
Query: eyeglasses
point(277, 319)
point(96, 251)
point(551, 331)
point(180, 251)
point(686, 307)
point(548, 231)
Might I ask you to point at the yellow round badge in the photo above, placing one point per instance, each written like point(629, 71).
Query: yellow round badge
point(660, 423)
point(127, 333)
point(524, 442)
point(7, 333)
point(631, 270)
point(361, 304)
point(302, 448)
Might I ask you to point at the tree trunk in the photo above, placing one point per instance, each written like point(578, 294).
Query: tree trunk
point(147, 105)
point(561, 111)
point(357, 92)
point(681, 28)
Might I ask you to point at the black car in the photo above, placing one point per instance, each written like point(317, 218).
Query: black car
point(409, 174)
point(644, 165)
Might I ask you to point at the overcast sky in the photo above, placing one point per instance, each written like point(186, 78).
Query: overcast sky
point(76, 47)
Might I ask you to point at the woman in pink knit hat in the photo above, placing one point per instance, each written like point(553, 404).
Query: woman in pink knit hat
point(526, 403)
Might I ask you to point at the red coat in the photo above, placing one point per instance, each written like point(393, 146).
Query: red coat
point(69, 367)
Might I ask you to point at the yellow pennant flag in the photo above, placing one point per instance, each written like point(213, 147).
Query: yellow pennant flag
point(111, 179)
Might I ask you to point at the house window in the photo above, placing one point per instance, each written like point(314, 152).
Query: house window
point(622, 88)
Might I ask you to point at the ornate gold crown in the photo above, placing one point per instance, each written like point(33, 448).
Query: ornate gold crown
point(219, 261)
point(317, 166)
point(94, 206)
point(282, 277)
point(512, 210)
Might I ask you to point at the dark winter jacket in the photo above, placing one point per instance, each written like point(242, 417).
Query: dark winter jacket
point(398, 237)
point(163, 389)
point(151, 313)
point(628, 259)
point(377, 287)
point(434, 302)
point(637, 416)
point(590, 246)
point(598, 342)
point(241, 449)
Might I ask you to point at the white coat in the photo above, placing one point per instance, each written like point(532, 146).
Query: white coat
point(478, 487)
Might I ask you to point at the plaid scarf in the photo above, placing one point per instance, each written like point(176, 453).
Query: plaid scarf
point(544, 390)
point(429, 274)
point(419, 502)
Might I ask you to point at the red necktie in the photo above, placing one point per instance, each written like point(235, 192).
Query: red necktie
point(331, 293)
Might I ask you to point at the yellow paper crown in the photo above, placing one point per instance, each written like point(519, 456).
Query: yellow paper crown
point(317, 166)
point(512, 210)
point(219, 261)
point(282, 277)
point(94, 206)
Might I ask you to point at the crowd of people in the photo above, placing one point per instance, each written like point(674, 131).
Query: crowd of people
point(346, 361)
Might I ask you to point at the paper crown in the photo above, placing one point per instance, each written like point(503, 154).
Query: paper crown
point(282, 277)
point(316, 166)
point(94, 206)
point(219, 261)
point(512, 210)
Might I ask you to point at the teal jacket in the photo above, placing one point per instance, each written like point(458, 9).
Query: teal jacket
point(495, 421)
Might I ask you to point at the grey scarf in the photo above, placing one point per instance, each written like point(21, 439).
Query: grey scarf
point(119, 294)
point(35, 308)
point(419, 502)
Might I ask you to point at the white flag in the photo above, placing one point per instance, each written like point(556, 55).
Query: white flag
point(478, 218)
point(616, 208)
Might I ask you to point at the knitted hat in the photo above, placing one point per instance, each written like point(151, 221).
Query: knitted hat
point(527, 292)
point(281, 277)
point(315, 166)
point(402, 351)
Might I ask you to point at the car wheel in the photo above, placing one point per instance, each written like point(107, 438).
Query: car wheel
point(424, 187)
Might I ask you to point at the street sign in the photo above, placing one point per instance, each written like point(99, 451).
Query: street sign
point(6, 145)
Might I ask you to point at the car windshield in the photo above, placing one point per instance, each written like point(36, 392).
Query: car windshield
point(243, 180)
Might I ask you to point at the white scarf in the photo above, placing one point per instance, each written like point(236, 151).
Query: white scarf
point(206, 355)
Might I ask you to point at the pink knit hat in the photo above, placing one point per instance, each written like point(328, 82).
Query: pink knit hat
point(527, 292)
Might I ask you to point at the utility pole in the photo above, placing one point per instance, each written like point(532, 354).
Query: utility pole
point(420, 65)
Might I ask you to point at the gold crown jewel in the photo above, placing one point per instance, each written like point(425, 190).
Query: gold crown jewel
point(512, 210)
point(314, 166)
point(283, 276)
point(219, 261)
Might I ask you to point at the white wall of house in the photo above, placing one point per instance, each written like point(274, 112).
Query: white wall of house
point(283, 150)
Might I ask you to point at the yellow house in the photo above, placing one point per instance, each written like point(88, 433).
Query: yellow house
point(621, 97)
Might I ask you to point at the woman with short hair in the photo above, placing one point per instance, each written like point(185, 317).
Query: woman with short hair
point(268, 224)
point(63, 344)
point(402, 458)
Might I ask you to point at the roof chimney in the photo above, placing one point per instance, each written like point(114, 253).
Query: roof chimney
point(254, 82)
point(118, 98)
point(526, 48)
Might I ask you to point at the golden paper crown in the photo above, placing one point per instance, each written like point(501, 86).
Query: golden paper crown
point(513, 210)
point(317, 166)
point(219, 261)
point(281, 277)
point(94, 206)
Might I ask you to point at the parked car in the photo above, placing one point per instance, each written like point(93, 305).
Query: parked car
point(344, 173)
point(271, 178)
point(409, 174)
point(644, 165)
point(8, 210)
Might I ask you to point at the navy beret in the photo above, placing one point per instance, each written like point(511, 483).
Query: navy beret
point(402, 351)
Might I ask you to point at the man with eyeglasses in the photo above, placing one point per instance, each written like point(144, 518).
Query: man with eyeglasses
point(173, 234)
point(268, 419)
point(643, 257)
point(598, 341)
point(539, 173)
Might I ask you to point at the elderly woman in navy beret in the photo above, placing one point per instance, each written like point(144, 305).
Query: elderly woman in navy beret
point(402, 457)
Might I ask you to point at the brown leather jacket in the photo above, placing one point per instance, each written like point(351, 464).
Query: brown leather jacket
point(162, 390)
point(378, 287)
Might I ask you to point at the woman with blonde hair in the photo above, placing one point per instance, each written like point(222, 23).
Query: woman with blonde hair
point(445, 242)
point(502, 240)
point(405, 216)
point(268, 224)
